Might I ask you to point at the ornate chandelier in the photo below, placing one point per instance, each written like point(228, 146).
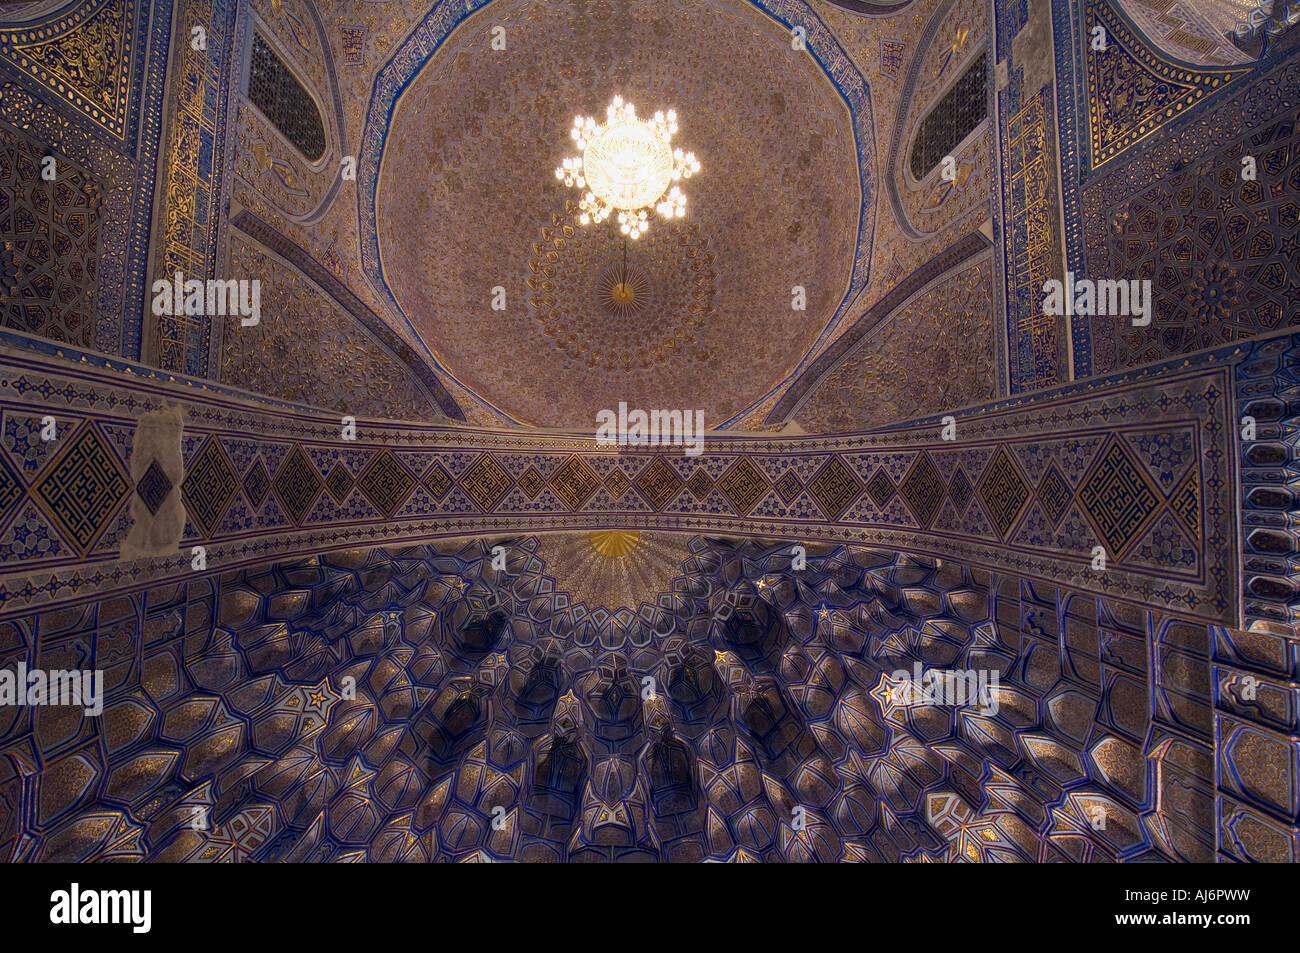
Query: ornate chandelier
point(627, 165)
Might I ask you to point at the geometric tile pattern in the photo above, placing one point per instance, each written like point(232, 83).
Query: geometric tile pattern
point(951, 120)
point(617, 484)
point(742, 485)
point(83, 486)
point(1003, 491)
point(437, 481)
point(1220, 250)
point(923, 489)
point(273, 89)
point(338, 482)
point(1117, 497)
point(486, 482)
point(11, 490)
point(297, 484)
point(49, 240)
point(788, 485)
point(834, 487)
point(960, 490)
point(1170, 203)
point(574, 482)
point(659, 483)
point(531, 483)
point(700, 483)
point(881, 488)
point(153, 486)
point(1185, 502)
point(256, 483)
point(208, 485)
point(386, 482)
point(1054, 494)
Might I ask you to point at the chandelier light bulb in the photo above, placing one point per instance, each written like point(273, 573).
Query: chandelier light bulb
point(627, 165)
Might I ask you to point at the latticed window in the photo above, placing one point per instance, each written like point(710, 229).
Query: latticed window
point(962, 109)
point(274, 90)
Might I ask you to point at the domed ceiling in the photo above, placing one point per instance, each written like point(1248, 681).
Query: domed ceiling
point(467, 201)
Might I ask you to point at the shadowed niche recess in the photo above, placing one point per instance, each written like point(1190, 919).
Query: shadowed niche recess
point(274, 90)
point(962, 109)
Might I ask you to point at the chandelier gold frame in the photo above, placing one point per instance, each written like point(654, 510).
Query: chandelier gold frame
point(627, 166)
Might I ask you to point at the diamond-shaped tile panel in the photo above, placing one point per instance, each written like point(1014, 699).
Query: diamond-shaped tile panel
point(297, 484)
point(386, 482)
point(1054, 493)
point(154, 486)
point(208, 486)
point(11, 490)
point(923, 489)
point(788, 486)
point(617, 484)
point(486, 482)
point(700, 484)
point(1003, 491)
point(531, 482)
point(834, 487)
point(658, 483)
point(881, 488)
point(83, 487)
point(1116, 497)
point(742, 485)
point(256, 483)
point(339, 482)
point(960, 490)
point(574, 483)
point(437, 481)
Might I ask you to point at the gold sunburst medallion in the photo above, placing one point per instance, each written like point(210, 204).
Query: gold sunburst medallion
point(615, 543)
point(622, 290)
